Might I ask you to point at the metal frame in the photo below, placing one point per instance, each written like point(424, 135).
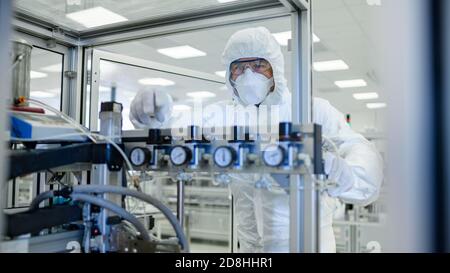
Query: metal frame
point(304, 200)
point(184, 25)
point(58, 49)
point(304, 197)
point(70, 87)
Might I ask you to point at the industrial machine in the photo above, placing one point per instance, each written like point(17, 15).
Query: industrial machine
point(93, 208)
point(85, 180)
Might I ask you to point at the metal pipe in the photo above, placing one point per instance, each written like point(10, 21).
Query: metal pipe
point(39, 199)
point(304, 205)
point(180, 202)
point(99, 202)
point(114, 208)
point(141, 196)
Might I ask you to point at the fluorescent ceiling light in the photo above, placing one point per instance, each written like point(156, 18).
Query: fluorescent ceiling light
point(334, 65)
point(95, 17)
point(156, 81)
point(351, 83)
point(53, 68)
point(221, 73)
point(201, 95)
point(226, 1)
point(374, 2)
point(284, 37)
point(42, 94)
point(37, 75)
point(181, 107)
point(365, 96)
point(315, 38)
point(104, 89)
point(181, 52)
point(376, 105)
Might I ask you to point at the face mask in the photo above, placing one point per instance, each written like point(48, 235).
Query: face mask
point(253, 87)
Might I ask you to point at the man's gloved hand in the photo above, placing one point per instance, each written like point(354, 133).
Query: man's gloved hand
point(339, 172)
point(151, 109)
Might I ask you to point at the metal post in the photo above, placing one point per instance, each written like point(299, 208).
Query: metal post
point(180, 202)
point(304, 197)
point(75, 83)
point(111, 126)
point(5, 25)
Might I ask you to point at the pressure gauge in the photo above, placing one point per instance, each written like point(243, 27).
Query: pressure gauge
point(180, 155)
point(139, 156)
point(273, 155)
point(224, 156)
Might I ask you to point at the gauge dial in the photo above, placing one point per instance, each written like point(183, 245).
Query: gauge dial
point(180, 155)
point(273, 155)
point(139, 156)
point(224, 157)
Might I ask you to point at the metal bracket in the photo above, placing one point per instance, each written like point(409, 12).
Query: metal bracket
point(70, 74)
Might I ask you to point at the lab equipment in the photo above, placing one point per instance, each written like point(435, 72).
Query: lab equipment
point(21, 69)
point(152, 150)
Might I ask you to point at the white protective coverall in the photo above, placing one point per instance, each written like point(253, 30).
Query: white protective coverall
point(262, 214)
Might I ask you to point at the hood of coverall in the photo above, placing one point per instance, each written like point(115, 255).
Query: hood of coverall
point(257, 43)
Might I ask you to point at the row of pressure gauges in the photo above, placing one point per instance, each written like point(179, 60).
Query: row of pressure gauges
point(179, 156)
point(226, 156)
point(223, 156)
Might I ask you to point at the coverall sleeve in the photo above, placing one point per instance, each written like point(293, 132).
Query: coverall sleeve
point(361, 156)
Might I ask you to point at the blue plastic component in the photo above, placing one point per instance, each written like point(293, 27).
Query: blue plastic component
point(20, 128)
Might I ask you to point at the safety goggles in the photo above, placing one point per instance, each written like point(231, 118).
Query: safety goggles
point(256, 65)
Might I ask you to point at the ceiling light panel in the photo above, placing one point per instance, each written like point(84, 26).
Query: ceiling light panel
point(156, 81)
point(351, 83)
point(181, 52)
point(334, 65)
point(365, 96)
point(37, 75)
point(95, 17)
point(376, 105)
point(201, 94)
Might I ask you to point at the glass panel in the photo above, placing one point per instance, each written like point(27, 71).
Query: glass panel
point(80, 15)
point(46, 76)
point(208, 207)
point(211, 41)
point(347, 50)
point(121, 82)
point(45, 86)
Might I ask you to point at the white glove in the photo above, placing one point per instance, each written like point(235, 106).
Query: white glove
point(338, 171)
point(150, 109)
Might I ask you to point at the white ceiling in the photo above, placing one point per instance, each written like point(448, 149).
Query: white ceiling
point(55, 11)
point(346, 30)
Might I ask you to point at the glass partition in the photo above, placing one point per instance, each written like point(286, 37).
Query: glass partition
point(46, 76)
point(121, 82)
point(126, 68)
point(345, 72)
